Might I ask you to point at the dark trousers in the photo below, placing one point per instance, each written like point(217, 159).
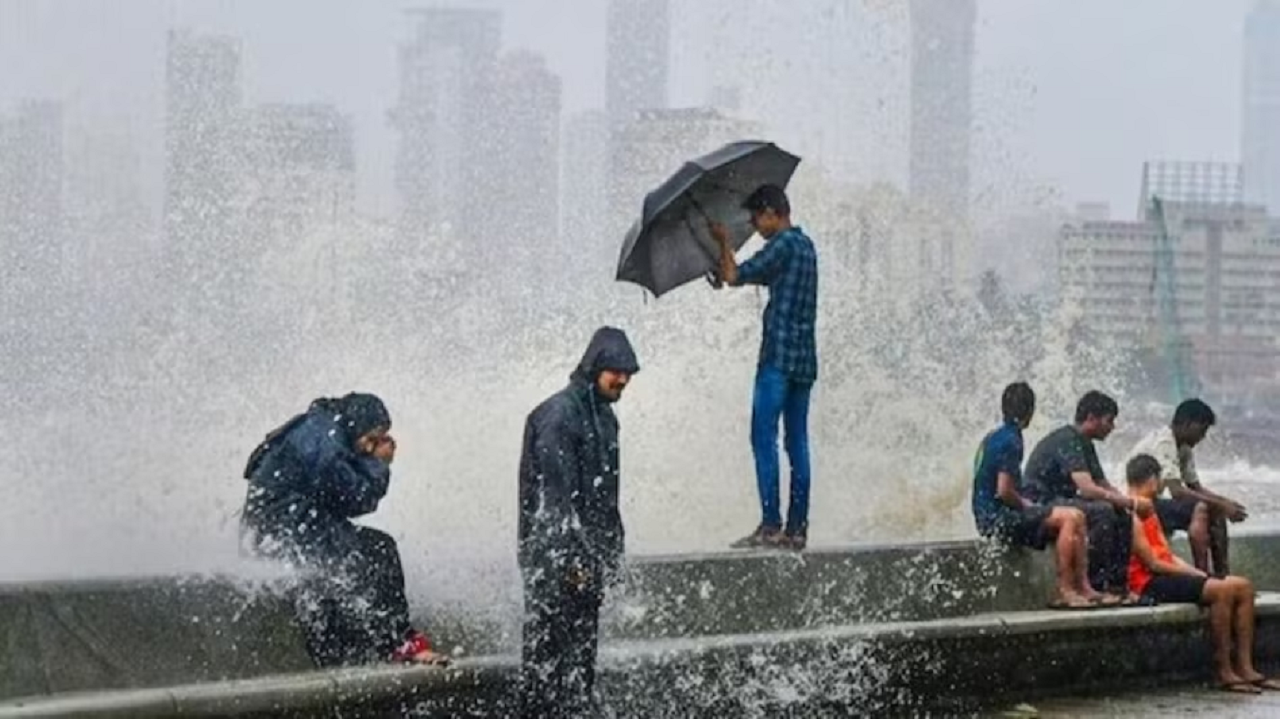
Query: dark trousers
point(353, 610)
point(561, 634)
point(1110, 540)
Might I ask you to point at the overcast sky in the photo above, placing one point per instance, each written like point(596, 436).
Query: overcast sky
point(1070, 95)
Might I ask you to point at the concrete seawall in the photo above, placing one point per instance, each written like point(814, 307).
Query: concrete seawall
point(937, 625)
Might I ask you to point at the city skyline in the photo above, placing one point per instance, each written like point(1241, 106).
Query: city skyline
point(1023, 98)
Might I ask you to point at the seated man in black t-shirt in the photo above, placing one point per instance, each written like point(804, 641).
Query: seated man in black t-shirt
point(1064, 470)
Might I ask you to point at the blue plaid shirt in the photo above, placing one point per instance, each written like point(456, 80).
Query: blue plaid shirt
point(788, 265)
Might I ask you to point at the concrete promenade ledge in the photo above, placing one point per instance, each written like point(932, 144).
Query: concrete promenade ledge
point(938, 626)
point(952, 665)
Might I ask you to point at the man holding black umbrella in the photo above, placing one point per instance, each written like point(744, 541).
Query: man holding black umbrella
point(788, 367)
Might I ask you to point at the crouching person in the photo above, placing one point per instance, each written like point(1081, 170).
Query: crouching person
point(1002, 514)
point(571, 535)
point(1158, 575)
point(307, 480)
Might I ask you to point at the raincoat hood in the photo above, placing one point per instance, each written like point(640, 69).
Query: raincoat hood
point(609, 350)
point(356, 413)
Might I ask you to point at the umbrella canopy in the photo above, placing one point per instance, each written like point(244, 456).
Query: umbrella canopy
point(671, 244)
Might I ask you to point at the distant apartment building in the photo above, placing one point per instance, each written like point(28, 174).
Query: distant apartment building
point(109, 214)
point(1260, 111)
point(445, 73)
point(518, 214)
point(32, 207)
point(584, 205)
point(637, 74)
point(942, 55)
point(202, 123)
point(32, 169)
point(478, 157)
point(297, 171)
point(637, 64)
point(1226, 285)
point(659, 142)
point(898, 250)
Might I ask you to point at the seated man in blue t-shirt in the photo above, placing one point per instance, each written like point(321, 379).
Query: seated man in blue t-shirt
point(1002, 514)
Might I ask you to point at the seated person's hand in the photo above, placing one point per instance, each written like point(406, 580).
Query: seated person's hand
point(1143, 507)
point(386, 449)
point(1238, 512)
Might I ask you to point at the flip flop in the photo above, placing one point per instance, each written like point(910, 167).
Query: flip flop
point(1241, 687)
point(1065, 606)
point(1267, 684)
point(1107, 601)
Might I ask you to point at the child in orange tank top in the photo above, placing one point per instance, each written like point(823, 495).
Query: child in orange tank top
point(1157, 574)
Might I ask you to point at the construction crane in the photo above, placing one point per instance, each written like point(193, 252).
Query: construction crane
point(1173, 346)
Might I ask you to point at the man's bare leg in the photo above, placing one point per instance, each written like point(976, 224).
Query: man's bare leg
point(1218, 543)
point(1220, 595)
point(1198, 536)
point(1081, 566)
point(1067, 524)
point(1084, 582)
point(1242, 590)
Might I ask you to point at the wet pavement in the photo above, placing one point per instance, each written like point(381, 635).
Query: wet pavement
point(1182, 701)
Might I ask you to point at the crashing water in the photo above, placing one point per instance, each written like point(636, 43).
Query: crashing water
point(147, 475)
point(127, 457)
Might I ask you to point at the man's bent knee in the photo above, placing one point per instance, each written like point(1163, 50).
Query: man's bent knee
point(1240, 584)
point(1216, 590)
point(1064, 519)
point(1200, 513)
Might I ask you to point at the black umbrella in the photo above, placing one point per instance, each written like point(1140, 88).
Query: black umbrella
point(671, 243)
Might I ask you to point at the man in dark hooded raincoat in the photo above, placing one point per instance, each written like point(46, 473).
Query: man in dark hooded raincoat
point(307, 480)
point(571, 536)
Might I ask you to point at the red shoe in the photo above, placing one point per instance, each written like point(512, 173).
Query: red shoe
point(417, 650)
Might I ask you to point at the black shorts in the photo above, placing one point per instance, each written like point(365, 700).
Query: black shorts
point(1022, 527)
point(1175, 514)
point(1176, 589)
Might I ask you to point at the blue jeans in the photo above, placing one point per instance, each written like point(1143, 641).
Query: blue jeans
point(779, 396)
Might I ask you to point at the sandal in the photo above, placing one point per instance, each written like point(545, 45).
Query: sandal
point(1240, 687)
point(1066, 606)
point(1267, 684)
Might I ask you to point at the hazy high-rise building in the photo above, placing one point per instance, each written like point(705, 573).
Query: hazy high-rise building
point(584, 173)
point(942, 52)
point(725, 98)
point(109, 215)
point(519, 215)
point(637, 64)
point(31, 172)
point(298, 171)
point(659, 142)
point(33, 283)
point(637, 68)
point(1260, 116)
point(31, 200)
point(202, 114)
point(446, 71)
